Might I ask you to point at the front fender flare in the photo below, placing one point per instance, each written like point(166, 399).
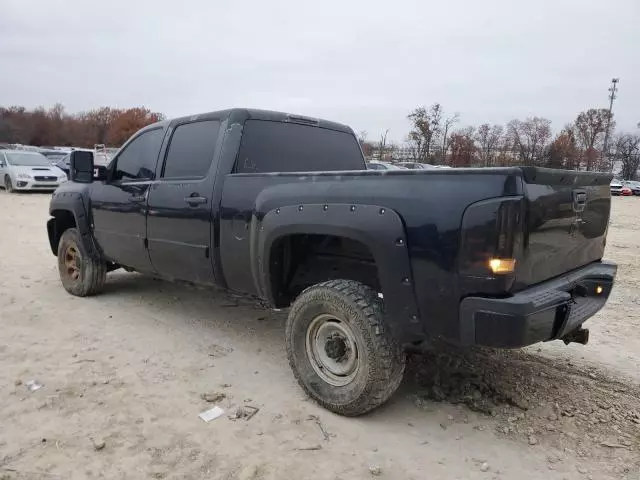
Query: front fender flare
point(74, 203)
point(379, 228)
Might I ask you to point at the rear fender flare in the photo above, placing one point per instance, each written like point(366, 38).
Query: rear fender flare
point(379, 228)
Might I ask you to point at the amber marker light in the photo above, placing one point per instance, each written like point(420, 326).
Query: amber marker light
point(502, 265)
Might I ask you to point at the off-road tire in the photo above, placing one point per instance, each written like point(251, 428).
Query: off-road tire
point(381, 360)
point(90, 275)
point(8, 186)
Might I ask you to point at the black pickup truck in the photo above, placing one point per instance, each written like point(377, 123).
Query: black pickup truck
point(281, 207)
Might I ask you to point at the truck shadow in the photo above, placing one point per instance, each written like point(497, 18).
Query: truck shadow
point(242, 317)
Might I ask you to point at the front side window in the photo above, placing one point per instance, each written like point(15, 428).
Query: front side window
point(268, 146)
point(191, 150)
point(138, 160)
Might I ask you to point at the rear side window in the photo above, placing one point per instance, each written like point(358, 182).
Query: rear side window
point(191, 149)
point(288, 147)
point(138, 159)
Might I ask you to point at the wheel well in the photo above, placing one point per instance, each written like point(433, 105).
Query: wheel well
point(61, 221)
point(301, 260)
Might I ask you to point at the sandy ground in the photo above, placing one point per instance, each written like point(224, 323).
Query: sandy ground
point(123, 375)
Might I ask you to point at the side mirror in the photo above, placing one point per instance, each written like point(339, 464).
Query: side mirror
point(81, 166)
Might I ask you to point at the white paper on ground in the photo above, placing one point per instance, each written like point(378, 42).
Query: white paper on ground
point(211, 414)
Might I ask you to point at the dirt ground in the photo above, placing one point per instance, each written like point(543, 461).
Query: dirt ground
point(124, 373)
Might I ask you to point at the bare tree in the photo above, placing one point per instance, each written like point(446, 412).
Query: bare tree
point(590, 128)
point(530, 138)
point(447, 124)
point(366, 146)
point(382, 145)
point(488, 138)
point(628, 152)
point(425, 129)
point(463, 148)
point(563, 151)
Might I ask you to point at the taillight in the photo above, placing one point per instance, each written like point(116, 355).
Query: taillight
point(490, 237)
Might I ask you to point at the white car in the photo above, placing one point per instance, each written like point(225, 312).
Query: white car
point(378, 165)
point(24, 170)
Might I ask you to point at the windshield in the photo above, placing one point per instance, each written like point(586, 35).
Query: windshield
point(54, 157)
point(27, 159)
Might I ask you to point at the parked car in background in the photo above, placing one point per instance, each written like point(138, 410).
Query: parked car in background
point(378, 165)
point(416, 165)
point(54, 156)
point(626, 191)
point(633, 186)
point(615, 187)
point(101, 160)
point(25, 170)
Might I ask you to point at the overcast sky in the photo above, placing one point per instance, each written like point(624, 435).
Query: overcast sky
point(364, 63)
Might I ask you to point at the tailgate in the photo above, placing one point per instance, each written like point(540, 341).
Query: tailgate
point(567, 214)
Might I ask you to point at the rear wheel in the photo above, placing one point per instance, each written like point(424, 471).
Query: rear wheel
point(8, 186)
point(339, 348)
point(80, 274)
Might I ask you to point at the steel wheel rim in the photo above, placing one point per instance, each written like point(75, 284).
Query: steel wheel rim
point(332, 350)
point(72, 262)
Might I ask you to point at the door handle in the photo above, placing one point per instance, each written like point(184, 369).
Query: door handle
point(137, 198)
point(194, 199)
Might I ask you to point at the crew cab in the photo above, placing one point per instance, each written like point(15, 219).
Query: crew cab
point(281, 207)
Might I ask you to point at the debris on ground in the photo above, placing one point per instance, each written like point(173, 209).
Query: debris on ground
point(213, 397)
point(326, 434)
point(375, 470)
point(33, 385)
point(245, 412)
point(211, 414)
point(532, 398)
point(311, 447)
point(98, 443)
point(484, 467)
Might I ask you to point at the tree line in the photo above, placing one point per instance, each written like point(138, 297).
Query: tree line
point(433, 138)
point(55, 127)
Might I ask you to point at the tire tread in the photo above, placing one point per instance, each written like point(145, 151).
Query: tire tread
point(385, 371)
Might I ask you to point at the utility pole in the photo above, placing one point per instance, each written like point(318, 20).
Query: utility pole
point(612, 96)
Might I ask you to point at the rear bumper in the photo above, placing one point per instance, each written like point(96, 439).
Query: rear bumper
point(544, 312)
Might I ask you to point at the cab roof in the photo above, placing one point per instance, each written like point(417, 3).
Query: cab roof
point(240, 115)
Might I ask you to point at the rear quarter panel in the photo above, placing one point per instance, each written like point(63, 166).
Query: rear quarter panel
point(430, 205)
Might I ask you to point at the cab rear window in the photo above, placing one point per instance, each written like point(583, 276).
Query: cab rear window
point(268, 146)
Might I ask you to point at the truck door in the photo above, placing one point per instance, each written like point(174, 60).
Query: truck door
point(118, 205)
point(179, 221)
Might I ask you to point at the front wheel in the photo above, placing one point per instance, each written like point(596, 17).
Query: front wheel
point(8, 186)
point(339, 348)
point(80, 274)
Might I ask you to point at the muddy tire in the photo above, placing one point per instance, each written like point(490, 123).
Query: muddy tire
point(8, 186)
point(340, 349)
point(80, 274)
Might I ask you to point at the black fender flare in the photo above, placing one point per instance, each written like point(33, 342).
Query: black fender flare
point(379, 228)
point(74, 203)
